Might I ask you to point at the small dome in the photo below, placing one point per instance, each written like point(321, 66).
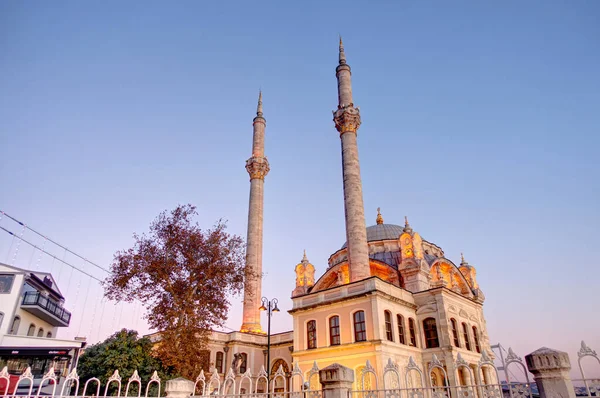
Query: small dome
point(382, 232)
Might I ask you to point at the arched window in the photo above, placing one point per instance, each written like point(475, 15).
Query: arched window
point(431, 335)
point(412, 332)
point(31, 330)
point(311, 334)
point(244, 364)
point(466, 336)
point(334, 330)
point(400, 320)
point(389, 334)
point(49, 335)
point(219, 362)
point(455, 332)
point(360, 330)
point(40, 333)
point(14, 328)
point(476, 339)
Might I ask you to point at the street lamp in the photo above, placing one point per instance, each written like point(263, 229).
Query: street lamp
point(270, 307)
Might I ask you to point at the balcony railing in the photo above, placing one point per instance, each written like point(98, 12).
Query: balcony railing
point(53, 307)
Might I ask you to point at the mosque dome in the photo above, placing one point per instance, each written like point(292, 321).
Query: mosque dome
point(382, 232)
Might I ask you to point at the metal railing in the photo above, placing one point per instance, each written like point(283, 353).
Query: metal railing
point(53, 307)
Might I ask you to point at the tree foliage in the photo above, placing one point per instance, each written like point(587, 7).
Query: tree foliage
point(184, 276)
point(123, 351)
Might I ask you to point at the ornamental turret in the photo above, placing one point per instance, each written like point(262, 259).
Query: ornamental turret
point(305, 277)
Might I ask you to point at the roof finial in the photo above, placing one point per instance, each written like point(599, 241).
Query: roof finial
point(342, 54)
point(304, 259)
point(259, 108)
point(407, 227)
point(462, 257)
point(379, 217)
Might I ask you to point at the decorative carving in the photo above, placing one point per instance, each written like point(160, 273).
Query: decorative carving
point(50, 374)
point(257, 167)
point(72, 375)
point(155, 377)
point(460, 361)
point(4, 372)
point(347, 119)
point(412, 364)
point(115, 377)
point(512, 357)
point(263, 372)
point(586, 351)
point(200, 377)
point(135, 377)
point(390, 365)
point(485, 359)
point(435, 363)
point(27, 374)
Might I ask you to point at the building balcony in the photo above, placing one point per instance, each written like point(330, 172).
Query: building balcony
point(45, 308)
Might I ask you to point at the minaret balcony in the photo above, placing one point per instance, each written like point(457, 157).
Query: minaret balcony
point(46, 309)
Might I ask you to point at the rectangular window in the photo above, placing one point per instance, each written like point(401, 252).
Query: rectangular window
point(476, 339)
point(412, 331)
point(360, 330)
point(334, 330)
point(431, 336)
point(401, 337)
point(311, 334)
point(6, 282)
point(466, 336)
point(389, 334)
point(219, 362)
point(455, 333)
point(244, 364)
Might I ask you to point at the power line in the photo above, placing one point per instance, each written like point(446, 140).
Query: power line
point(53, 241)
point(50, 254)
point(56, 258)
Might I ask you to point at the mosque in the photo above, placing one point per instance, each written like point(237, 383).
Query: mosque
point(387, 294)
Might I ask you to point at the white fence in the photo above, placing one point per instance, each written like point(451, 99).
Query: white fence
point(412, 381)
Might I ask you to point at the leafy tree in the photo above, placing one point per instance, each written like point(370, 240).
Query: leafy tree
point(184, 276)
point(123, 351)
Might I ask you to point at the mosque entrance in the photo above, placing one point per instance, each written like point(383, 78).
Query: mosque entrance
point(280, 385)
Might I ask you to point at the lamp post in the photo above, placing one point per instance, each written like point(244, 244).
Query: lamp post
point(270, 307)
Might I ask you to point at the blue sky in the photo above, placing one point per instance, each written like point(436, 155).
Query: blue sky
point(480, 123)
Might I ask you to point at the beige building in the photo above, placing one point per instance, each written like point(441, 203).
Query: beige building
point(387, 295)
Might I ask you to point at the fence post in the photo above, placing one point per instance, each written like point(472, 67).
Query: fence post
point(179, 388)
point(336, 381)
point(550, 369)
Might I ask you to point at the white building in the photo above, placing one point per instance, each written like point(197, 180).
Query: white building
point(31, 313)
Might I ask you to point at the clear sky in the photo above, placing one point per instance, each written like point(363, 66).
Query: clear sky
point(480, 123)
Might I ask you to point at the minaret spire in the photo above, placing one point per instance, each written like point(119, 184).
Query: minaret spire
point(257, 167)
point(347, 122)
point(342, 53)
point(259, 108)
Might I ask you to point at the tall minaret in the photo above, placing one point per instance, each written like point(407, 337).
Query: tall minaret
point(258, 167)
point(347, 121)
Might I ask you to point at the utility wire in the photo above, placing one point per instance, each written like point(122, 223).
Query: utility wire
point(53, 241)
point(56, 258)
point(51, 255)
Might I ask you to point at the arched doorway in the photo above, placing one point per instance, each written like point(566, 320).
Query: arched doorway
point(279, 383)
